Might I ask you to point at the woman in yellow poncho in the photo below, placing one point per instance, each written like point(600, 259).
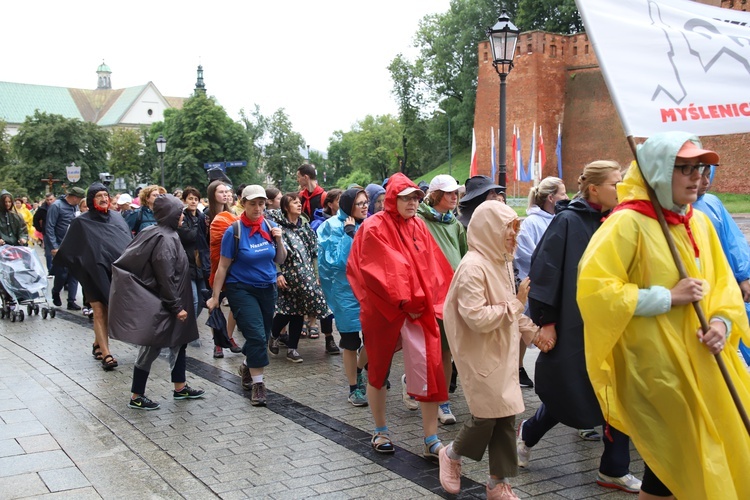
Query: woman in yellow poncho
point(650, 365)
point(27, 217)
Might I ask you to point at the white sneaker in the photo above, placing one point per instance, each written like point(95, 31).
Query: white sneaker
point(445, 415)
point(628, 483)
point(524, 452)
point(410, 403)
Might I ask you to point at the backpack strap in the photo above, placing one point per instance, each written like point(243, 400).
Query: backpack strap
point(237, 228)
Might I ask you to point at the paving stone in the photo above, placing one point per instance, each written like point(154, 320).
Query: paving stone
point(21, 429)
point(33, 462)
point(22, 486)
point(68, 478)
point(9, 447)
point(34, 444)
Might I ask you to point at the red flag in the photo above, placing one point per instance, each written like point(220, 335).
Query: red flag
point(542, 154)
point(473, 169)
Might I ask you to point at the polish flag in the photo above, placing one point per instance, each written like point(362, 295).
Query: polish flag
point(542, 153)
point(493, 170)
point(473, 170)
point(515, 156)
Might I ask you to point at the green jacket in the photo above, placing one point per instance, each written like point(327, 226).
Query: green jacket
point(12, 225)
point(450, 236)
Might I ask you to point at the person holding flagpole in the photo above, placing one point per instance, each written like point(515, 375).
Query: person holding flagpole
point(650, 363)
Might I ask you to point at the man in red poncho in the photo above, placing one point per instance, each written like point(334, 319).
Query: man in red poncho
point(401, 278)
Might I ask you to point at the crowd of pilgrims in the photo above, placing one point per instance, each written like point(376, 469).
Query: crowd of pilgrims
point(449, 275)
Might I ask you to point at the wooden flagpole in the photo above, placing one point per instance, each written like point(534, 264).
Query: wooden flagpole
point(696, 305)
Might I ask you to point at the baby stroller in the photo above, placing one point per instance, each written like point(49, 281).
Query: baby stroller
point(24, 283)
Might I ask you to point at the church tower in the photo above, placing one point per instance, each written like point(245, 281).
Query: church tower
point(104, 82)
point(200, 87)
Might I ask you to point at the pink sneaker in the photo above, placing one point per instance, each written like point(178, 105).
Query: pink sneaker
point(502, 491)
point(450, 472)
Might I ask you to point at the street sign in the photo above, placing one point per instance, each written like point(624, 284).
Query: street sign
point(215, 164)
point(236, 164)
point(73, 173)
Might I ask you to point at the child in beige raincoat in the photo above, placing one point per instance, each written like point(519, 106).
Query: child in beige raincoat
point(484, 323)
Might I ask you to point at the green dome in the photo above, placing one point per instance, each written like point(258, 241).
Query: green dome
point(103, 67)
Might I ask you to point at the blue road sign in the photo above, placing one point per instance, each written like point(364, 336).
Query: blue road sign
point(236, 164)
point(215, 164)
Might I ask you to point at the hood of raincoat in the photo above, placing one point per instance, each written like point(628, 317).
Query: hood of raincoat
point(346, 201)
point(656, 159)
point(486, 232)
point(167, 210)
point(397, 183)
point(373, 192)
point(91, 192)
point(3, 195)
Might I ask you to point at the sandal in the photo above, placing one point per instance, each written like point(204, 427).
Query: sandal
point(109, 362)
point(382, 443)
point(303, 333)
point(313, 332)
point(96, 352)
point(589, 435)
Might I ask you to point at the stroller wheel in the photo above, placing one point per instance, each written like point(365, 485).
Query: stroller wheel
point(29, 309)
point(2, 313)
point(20, 315)
point(36, 310)
point(52, 313)
point(44, 313)
point(13, 317)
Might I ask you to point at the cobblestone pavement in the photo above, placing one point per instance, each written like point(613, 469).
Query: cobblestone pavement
point(66, 432)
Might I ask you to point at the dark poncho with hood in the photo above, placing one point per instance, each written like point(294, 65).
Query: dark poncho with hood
point(151, 285)
point(93, 242)
point(12, 226)
point(561, 379)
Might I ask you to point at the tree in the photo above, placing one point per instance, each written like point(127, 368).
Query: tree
point(201, 132)
point(557, 16)
point(339, 156)
point(125, 155)
point(376, 145)
point(47, 143)
point(283, 154)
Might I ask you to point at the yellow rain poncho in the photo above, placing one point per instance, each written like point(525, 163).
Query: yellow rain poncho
point(654, 380)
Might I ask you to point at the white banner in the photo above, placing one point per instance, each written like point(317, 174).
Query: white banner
point(673, 64)
point(74, 173)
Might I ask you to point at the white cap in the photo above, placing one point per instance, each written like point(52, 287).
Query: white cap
point(124, 199)
point(410, 190)
point(253, 191)
point(444, 183)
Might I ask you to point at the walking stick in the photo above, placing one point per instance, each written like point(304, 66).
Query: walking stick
point(696, 305)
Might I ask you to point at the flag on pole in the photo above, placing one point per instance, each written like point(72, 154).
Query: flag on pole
point(692, 62)
point(516, 175)
point(542, 153)
point(473, 168)
point(558, 151)
point(492, 153)
point(532, 154)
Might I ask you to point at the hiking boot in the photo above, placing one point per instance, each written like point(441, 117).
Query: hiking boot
point(410, 403)
point(293, 356)
point(523, 451)
point(362, 381)
point(56, 299)
point(445, 415)
point(331, 347)
point(234, 348)
point(628, 483)
point(357, 398)
point(188, 392)
point(523, 378)
point(143, 403)
point(502, 491)
point(258, 394)
point(245, 378)
point(273, 345)
point(218, 351)
point(450, 472)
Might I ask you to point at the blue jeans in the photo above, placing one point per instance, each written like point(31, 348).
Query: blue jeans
point(64, 277)
point(253, 308)
point(198, 301)
point(615, 460)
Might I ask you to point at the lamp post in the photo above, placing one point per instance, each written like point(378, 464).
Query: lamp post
point(450, 157)
point(503, 38)
point(161, 146)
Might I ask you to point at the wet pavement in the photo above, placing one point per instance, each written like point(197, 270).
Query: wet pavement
point(66, 430)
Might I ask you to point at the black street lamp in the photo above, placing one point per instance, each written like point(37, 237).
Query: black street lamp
point(450, 158)
point(161, 146)
point(503, 38)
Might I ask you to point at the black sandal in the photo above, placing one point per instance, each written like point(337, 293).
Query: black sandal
point(96, 352)
point(109, 362)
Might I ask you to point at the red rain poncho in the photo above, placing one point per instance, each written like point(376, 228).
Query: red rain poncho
point(395, 267)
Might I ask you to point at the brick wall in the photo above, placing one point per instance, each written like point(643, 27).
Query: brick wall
point(557, 80)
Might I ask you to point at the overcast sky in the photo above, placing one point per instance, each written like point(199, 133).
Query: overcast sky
point(324, 61)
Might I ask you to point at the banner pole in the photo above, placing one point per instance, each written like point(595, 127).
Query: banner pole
point(696, 305)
